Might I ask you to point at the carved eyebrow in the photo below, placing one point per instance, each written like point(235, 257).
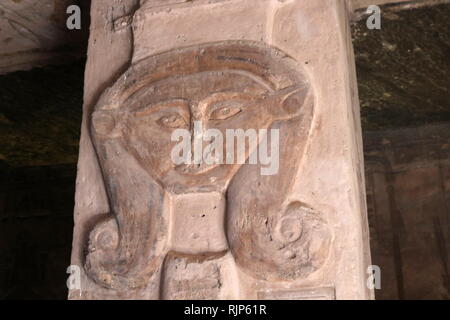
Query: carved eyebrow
point(157, 106)
point(212, 101)
point(225, 103)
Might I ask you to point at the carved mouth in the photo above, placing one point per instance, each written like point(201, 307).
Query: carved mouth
point(195, 169)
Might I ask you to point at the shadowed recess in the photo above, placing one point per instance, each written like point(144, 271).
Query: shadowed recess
point(40, 115)
point(403, 68)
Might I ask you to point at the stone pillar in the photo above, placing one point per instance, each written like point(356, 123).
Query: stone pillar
point(148, 228)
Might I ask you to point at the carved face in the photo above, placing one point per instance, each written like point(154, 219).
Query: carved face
point(227, 99)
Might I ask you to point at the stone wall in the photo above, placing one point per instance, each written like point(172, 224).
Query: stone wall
point(408, 195)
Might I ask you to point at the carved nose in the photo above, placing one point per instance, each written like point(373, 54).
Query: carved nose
point(197, 143)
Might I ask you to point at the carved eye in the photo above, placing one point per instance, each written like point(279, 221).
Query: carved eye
point(172, 121)
point(225, 112)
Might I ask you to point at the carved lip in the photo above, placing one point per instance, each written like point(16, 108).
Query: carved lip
point(195, 169)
